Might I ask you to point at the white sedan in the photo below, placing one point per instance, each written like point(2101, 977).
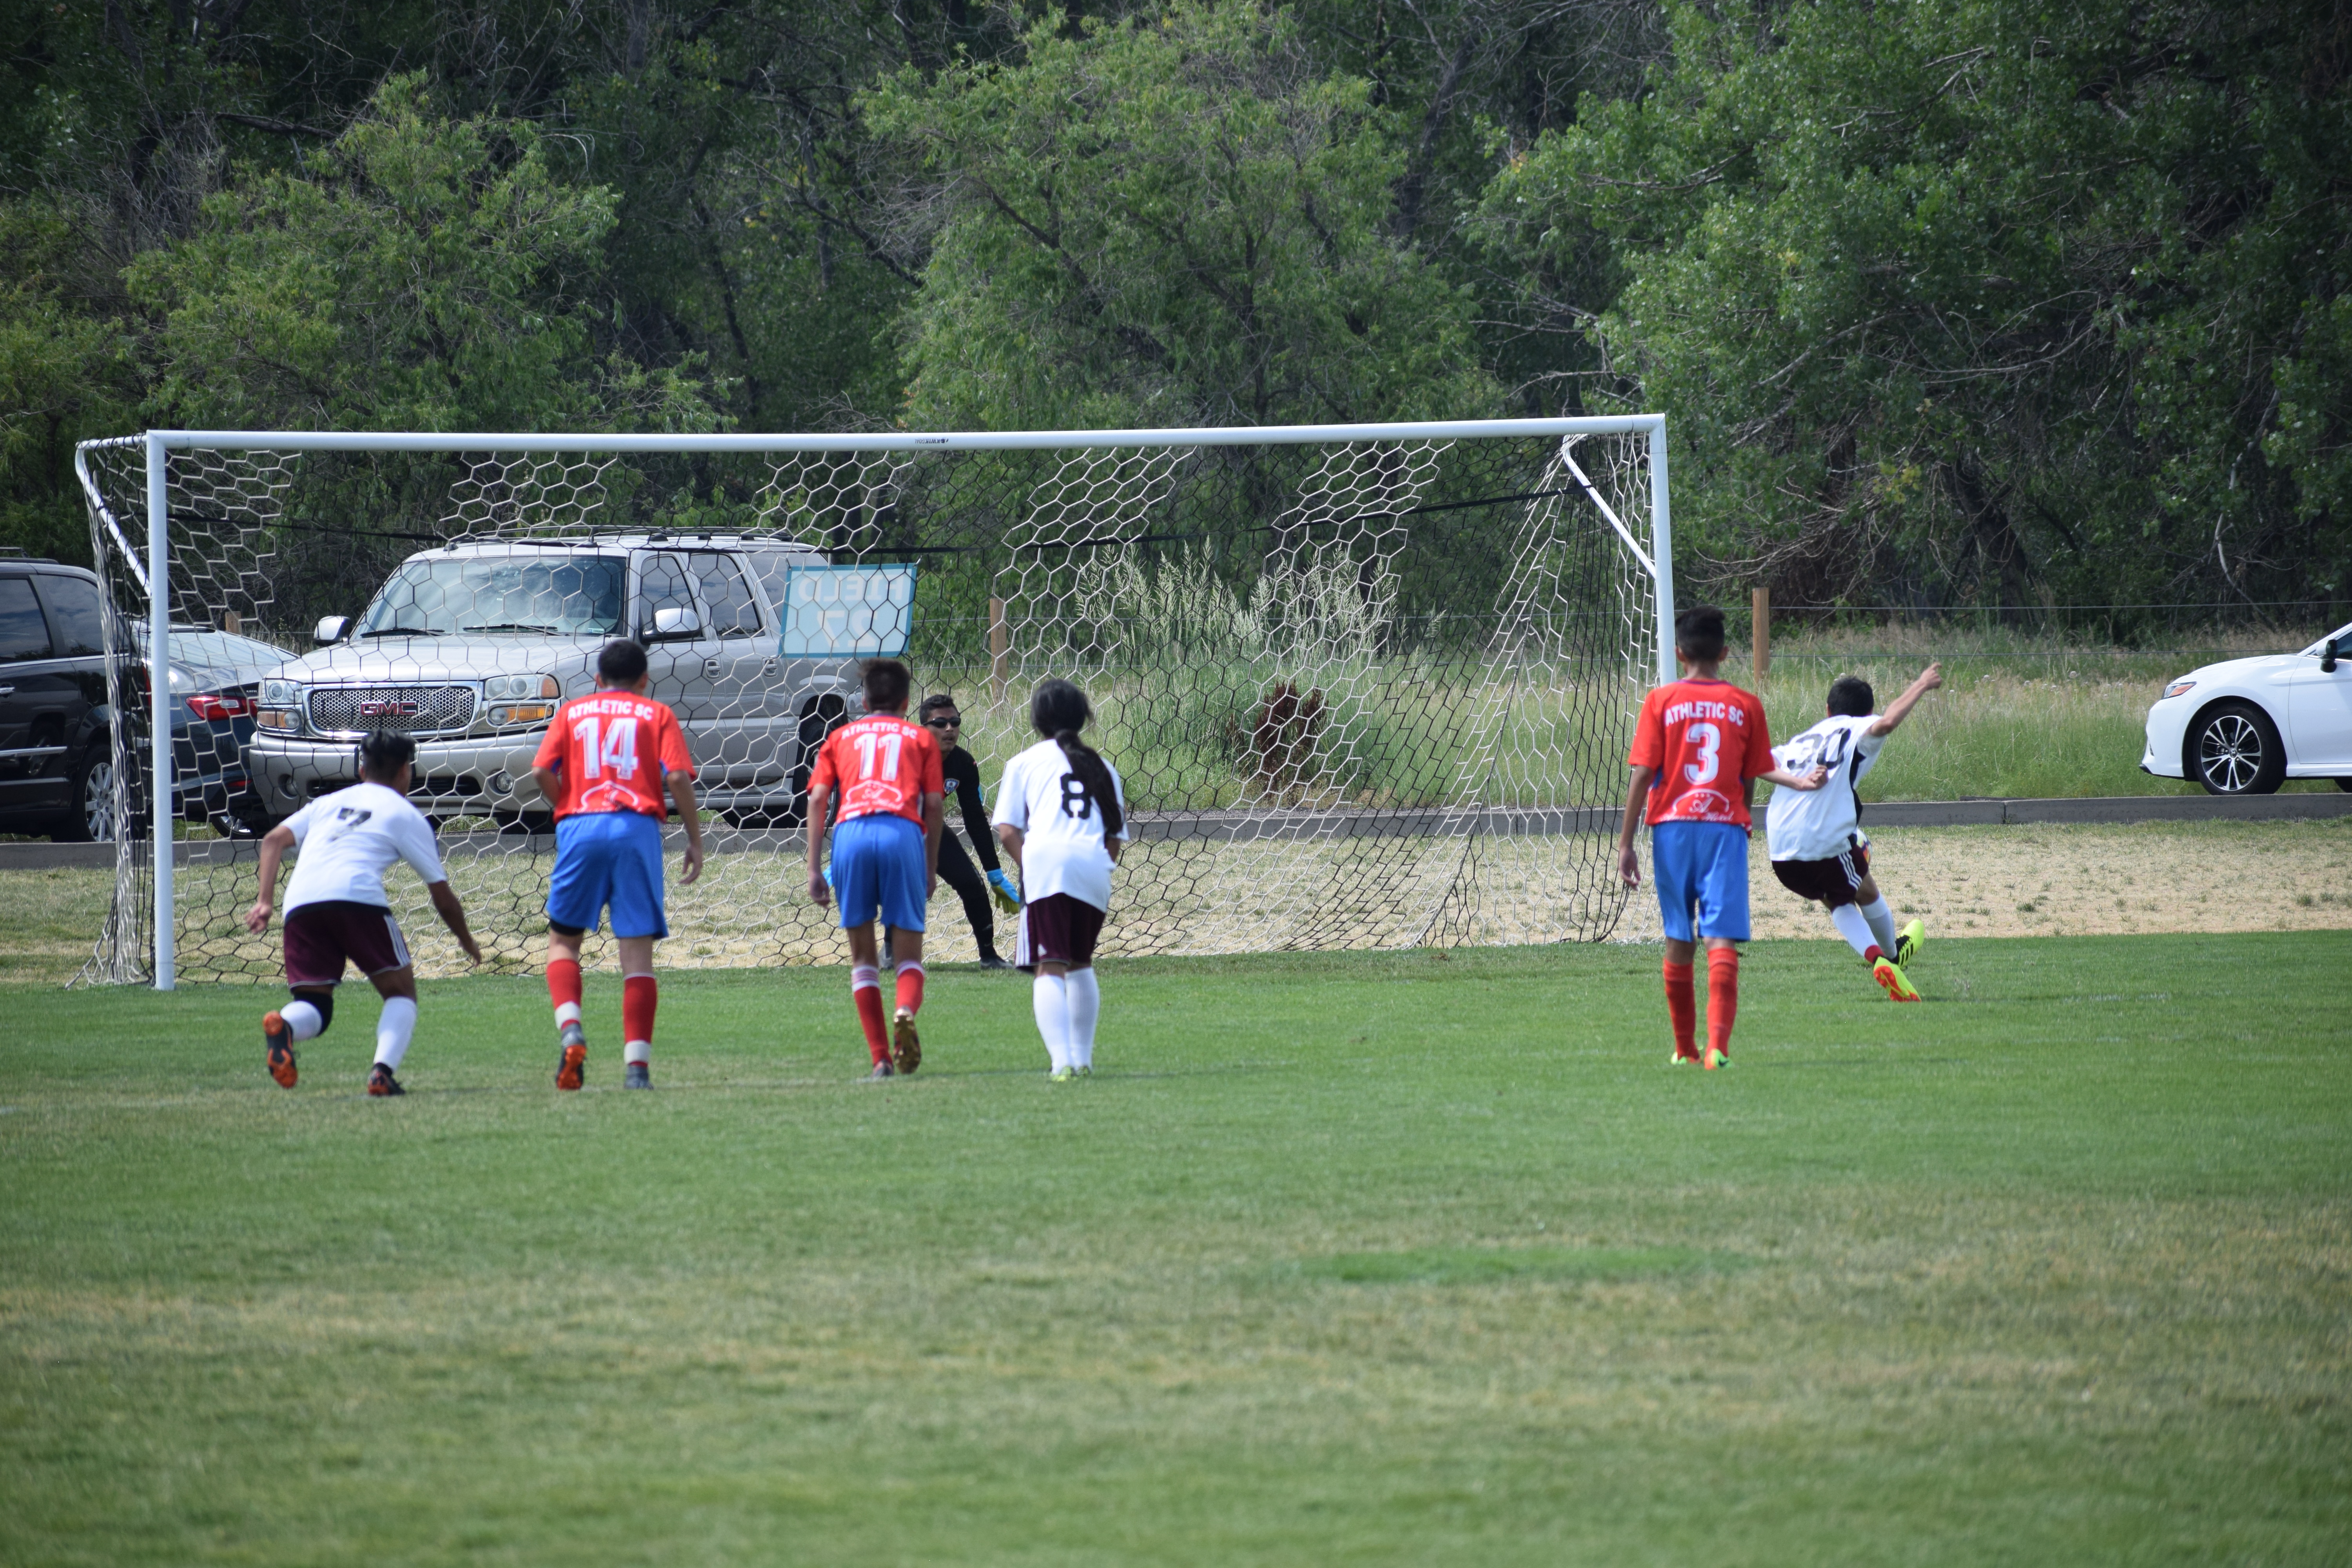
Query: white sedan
point(2247, 725)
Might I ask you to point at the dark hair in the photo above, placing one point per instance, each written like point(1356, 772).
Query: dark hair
point(621, 663)
point(886, 681)
point(934, 702)
point(384, 753)
point(1698, 632)
point(1058, 711)
point(1851, 697)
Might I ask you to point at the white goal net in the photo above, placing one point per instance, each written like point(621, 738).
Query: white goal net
point(1368, 686)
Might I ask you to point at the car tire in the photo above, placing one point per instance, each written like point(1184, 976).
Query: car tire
point(2234, 749)
point(2345, 784)
point(90, 799)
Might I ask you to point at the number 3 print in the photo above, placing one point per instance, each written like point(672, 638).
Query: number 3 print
point(1709, 740)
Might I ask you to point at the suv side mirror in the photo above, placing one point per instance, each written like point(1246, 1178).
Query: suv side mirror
point(2327, 655)
point(331, 629)
point(676, 621)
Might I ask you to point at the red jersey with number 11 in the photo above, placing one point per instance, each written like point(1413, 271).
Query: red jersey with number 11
point(611, 750)
point(881, 763)
point(1706, 738)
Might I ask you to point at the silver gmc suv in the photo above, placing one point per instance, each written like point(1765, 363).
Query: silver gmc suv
point(470, 648)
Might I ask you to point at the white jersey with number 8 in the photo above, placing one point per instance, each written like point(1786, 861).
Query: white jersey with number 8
point(1061, 825)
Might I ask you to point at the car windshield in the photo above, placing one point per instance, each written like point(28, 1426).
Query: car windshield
point(539, 594)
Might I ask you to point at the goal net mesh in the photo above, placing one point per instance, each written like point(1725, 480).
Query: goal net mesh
point(1363, 694)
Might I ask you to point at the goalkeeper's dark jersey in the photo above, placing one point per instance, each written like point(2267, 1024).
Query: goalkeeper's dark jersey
point(963, 784)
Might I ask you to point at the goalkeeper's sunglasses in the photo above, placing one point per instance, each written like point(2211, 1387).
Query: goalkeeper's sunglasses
point(944, 721)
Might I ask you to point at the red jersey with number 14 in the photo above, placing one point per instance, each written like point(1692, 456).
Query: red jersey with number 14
point(881, 763)
point(1706, 738)
point(611, 750)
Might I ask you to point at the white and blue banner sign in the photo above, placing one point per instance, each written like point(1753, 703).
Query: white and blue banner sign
point(848, 612)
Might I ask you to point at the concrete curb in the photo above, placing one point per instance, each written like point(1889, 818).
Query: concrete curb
point(1309, 824)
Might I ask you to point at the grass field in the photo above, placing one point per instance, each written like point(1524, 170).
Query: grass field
point(1375, 1258)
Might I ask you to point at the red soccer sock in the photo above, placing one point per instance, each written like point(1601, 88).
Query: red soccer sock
point(640, 994)
point(911, 987)
point(865, 990)
point(564, 989)
point(1722, 996)
point(1681, 1007)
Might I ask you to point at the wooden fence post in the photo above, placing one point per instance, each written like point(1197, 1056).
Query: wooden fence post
point(1760, 635)
point(1000, 651)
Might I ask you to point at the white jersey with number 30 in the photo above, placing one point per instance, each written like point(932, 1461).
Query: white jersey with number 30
point(1816, 824)
point(1060, 827)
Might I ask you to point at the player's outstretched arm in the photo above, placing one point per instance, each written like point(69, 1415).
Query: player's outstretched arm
point(820, 804)
point(1900, 709)
point(274, 844)
point(1781, 778)
point(681, 790)
point(453, 915)
point(1628, 863)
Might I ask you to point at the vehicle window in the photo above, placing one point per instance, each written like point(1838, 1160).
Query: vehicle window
point(73, 605)
point(775, 565)
point(541, 593)
point(662, 583)
point(23, 633)
point(734, 613)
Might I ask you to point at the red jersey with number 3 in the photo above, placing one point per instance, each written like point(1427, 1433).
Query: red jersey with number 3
point(611, 750)
point(880, 764)
point(1706, 738)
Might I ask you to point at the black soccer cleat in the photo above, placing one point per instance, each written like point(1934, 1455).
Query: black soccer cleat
point(381, 1082)
point(637, 1075)
point(993, 961)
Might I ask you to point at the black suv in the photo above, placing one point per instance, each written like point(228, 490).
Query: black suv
point(57, 751)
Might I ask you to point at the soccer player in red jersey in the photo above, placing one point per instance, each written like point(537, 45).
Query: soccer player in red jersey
point(1698, 749)
point(605, 764)
point(885, 772)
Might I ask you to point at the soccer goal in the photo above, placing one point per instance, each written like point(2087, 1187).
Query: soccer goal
point(1370, 686)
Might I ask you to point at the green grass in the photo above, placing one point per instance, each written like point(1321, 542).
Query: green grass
point(1371, 1258)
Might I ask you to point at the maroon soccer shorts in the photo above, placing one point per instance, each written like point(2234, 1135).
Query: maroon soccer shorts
point(1057, 929)
point(321, 937)
point(1835, 882)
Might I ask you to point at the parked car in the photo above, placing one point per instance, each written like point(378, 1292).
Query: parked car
point(470, 647)
point(57, 754)
point(2246, 725)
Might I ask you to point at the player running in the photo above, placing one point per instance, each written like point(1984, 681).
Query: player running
point(1818, 850)
point(1697, 737)
point(605, 765)
point(945, 722)
point(885, 772)
point(336, 913)
point(1063, 817)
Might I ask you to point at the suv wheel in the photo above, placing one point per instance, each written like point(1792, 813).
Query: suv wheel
point(2236, 750)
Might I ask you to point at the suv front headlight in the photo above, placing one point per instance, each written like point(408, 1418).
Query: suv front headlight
point(521, 700)
point(280, 708)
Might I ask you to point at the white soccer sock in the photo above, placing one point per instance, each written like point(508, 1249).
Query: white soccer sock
point(1049, 1000)
point(393, 1029)
point(1855, 930)
point(569, 1013)
point(864, 976)
point(635, 1051)
point(1086, 1006)
point(303, 1020)
point(1882, 923)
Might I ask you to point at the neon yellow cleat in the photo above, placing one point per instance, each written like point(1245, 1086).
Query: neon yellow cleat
point(1907, 940)
point(1891, 978)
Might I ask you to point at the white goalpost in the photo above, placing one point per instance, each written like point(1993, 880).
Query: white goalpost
point(1368, 684)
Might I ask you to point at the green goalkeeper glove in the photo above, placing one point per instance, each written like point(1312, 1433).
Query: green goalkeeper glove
point(1008, 897)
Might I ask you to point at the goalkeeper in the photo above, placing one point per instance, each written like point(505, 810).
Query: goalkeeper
point(939, 715)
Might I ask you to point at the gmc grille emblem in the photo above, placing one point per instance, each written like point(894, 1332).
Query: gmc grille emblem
point(390, 707)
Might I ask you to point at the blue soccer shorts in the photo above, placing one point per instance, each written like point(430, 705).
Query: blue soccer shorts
point(1701, 866)
point(608, 858)
point(877, 861)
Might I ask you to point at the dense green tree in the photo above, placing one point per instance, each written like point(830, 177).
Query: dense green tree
point(1167, 221)
point(1978, 297)
point(418, 273)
